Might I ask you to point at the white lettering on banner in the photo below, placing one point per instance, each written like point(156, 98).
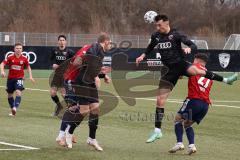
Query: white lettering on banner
point(31, 56)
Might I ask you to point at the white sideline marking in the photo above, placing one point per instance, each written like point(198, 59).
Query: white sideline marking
point(20, 147)
point(17, 149)
point(152, 99)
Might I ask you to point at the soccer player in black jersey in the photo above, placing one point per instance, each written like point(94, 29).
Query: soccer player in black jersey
point(59, 55)
point(85, 93)
point(168, 42)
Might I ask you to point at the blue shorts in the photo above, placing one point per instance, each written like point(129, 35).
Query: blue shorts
point(82, 94)
point(194, 110)
point(14, 84)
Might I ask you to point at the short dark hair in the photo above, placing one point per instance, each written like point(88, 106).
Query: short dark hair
point(162, 17)
point(103, 37)
point(62, 36)
point(18, 44)
point(202, 56)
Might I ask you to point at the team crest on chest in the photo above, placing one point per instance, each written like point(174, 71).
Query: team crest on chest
point(170, 37)
point(64, 53)
point(21, 62)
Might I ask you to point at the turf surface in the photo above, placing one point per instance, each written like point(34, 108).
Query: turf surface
point(123, 131)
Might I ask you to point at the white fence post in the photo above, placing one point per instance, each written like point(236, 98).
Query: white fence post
point(24, 39)
point(14, 38)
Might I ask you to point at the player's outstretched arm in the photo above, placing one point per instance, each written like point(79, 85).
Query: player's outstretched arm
point(30, 74)
point(153, 42)
point(2, 70)
point(140, 58)
point(185, 40)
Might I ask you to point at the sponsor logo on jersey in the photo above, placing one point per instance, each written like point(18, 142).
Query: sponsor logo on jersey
point(154, 63)
point(164, 45)
point(224, 59)
point(61, 58)
point(16, 67)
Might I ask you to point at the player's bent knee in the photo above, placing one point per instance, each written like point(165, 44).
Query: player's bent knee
point(178, 118)
point(188, 123)
point(94, 108)
point(84, 109)
point(63, 92)
point(53, 91)
point(162, 97)
point(161, 100)
point(10, 95)
point(18, 93)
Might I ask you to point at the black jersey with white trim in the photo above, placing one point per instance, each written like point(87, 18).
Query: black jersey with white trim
point(169, 46)
point(59, 56)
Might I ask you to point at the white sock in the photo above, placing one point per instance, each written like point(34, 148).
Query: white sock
point(67, 129)
point(157, 130)
point(90, 139)
point(69, 138)
point(225, 80)
point(61, 134)
point(191, 145)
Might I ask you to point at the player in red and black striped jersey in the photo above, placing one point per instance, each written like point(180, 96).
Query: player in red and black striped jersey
point(16, 63)
point(194, 108)
point(82, 92)
point(72, 70)
point(59, 56)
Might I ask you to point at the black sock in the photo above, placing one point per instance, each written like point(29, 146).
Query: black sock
point(93, 125)
point(76, 120)
point(73, 126)
point(63, 126)
point(213, 76)
point(55, 99)
point(158, 117)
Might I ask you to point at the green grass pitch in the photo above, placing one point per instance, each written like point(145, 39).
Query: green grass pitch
point(121, 132)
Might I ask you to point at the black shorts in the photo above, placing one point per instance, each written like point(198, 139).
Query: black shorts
point(171, 73)
point(194, 110)
point(57, 81)
point(85, 93)
point(14, 84)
